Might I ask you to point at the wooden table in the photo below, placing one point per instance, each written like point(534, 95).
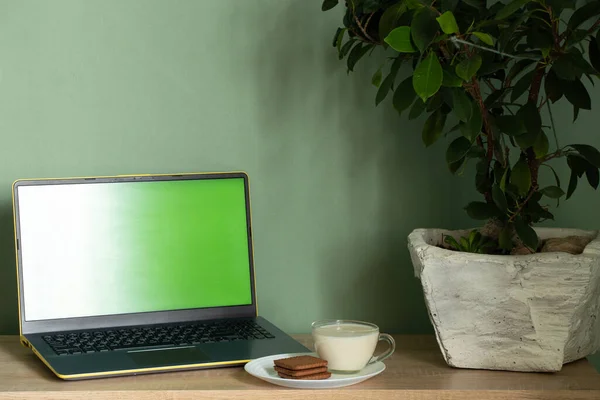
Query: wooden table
point(415, 371)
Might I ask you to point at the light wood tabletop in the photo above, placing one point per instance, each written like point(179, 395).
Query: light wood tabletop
point(416, 371)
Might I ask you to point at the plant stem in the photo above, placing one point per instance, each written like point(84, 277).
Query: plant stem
point(475, 90)
point(536, 83)
point(553, 126)
point(521, 206)
point(593, 28)
point(363, 30)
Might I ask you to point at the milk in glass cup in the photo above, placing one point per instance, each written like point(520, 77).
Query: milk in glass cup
point(348, 346)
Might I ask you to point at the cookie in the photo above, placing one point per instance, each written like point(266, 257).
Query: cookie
point(300, 362)
point(301, 372)
point(313, 377)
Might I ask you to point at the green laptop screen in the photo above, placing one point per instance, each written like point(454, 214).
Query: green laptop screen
point(127, 247)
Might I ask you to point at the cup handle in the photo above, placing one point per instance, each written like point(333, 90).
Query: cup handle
point(390, 340)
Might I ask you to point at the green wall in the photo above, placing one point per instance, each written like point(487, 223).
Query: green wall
point(150, 86)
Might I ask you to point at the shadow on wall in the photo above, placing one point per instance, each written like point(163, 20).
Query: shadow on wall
point(8, 280)
point(375, 150)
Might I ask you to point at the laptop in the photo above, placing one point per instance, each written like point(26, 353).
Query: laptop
point(139, 274)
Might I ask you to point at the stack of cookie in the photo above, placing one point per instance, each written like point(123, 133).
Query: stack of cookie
point(302, 367)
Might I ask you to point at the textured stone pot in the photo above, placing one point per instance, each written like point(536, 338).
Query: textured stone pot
point(518, 313)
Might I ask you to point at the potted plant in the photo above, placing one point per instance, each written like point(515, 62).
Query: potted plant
point(505, 296)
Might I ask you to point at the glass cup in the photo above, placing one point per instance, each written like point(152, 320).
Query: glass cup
point(348, 346)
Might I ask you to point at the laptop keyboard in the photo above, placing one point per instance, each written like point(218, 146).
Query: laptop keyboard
point(97, 341)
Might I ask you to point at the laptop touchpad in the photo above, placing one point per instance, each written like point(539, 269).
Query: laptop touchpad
point(181, 356)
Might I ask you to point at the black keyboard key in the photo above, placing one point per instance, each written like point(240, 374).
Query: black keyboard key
point(269, 336)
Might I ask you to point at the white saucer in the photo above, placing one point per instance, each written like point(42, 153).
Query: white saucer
point(262, 368)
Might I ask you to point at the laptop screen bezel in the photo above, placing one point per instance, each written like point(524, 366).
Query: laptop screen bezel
point(142, 318)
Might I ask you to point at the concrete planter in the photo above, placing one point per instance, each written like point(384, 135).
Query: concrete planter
point(516, 313)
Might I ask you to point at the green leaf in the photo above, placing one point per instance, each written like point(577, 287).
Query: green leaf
point(565, 67)
point(481, 211)
point(503, 179)
point(416, 110)
point(499, 198)
point(505, 239)
point(473, 237)
point(455, 166)
point(432, 130)
point(575, 113)
point(526, 140)
point(450, 79)
point(491, 68)
point(517, 68)
point(414, 4)
point(472, 128)
point(385, 88)
point(572, 184)
point(510, 124)
point(450, 241)
point(485, 38)
point(577, 94)
point(468, 67)
point(338, 38)
point(540, 38)
point(478, 4)
point(541, 145)
point(376, 79)
point(346, 48)
point(462, 106)
point(399, 40)
point(495, 98)
point(449, 5)
point(526, 234)
point(576, 37)
point(590, 153)
point(554, 192)
point(356, 54)
point(404, 95)
point(511, 8)
point(559, 5)
point(390, 19)
point(482, 177)
point(578, 164)
point(435, 102)
point(368, 6)
point(593, 177)
point(582, 14)
point(457, 149)
point(428, 77)
point(448, 23)
point(521, 177)
point(553, 87)
point(594, 53)
point(521, 86)
point(424, 27)
point(512, 34)
point(329, 4)
point(531, 118)
point(556, 178)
